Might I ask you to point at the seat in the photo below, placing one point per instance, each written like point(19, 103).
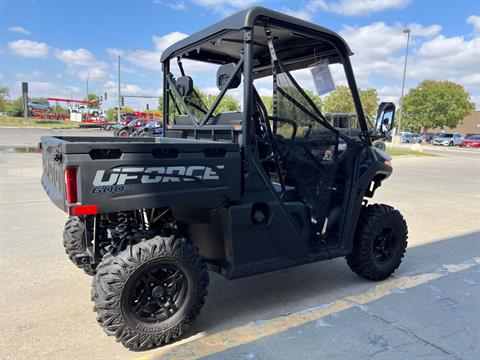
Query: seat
point(290, 194)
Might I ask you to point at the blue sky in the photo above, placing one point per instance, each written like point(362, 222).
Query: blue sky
point(54, 44)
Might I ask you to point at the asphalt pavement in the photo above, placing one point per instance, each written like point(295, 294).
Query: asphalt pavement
point(430, 308)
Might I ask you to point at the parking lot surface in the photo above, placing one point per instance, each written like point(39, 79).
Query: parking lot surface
point(430, 308)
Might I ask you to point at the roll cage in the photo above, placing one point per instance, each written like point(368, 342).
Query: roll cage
point(257, 41)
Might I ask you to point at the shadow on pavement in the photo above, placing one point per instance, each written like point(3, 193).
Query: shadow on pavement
point(237, 302)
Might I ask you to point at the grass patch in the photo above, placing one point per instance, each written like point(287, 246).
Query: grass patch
point(398, 152)
point(37, 123)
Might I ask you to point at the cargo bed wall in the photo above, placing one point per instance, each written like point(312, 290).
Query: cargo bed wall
point(120, 176)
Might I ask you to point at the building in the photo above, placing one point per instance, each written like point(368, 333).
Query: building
point(470, 125)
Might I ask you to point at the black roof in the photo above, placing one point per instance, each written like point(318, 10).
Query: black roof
point(253, 17)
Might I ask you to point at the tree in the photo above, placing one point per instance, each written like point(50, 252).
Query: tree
point(228, 103)
point(315, 98)
point(111, 114)
point(15, 108)
point(93, 97)
point(268, 101)
point(341, 100)
point(435, 104)
point(4, 94)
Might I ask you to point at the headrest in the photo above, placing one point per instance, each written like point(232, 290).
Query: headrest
point(184, 85)
point(223, 74)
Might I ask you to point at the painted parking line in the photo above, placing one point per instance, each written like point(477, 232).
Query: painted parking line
point(210, 344)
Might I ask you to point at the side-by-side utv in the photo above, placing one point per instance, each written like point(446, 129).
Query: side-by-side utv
point(239, 192)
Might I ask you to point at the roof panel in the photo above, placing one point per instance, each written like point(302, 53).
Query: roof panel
point(247, 19)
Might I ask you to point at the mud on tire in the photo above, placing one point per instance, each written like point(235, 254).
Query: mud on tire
point(380, 242)
point(74, 242)
point(148, 294)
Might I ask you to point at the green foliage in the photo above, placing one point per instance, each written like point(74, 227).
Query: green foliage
point(435, 104)
point(4, 94)
point(268, 101)
point(341, 100)
point(111, 114)
point(228, 103)
point(315, 98)
point(15, 108)
point(93, 97)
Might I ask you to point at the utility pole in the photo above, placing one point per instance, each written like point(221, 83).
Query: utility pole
point(400, 110)
point(120, 57)
point(88, 75)
point(119, 100)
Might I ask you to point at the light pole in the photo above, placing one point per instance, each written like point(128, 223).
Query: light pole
point(88, 75)
point(405, 31)
point(120, 57)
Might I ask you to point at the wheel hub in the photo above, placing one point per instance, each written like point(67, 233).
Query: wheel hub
point(157, 292)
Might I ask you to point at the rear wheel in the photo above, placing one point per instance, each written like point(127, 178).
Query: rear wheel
point(148, 295)
point(74, 242)
point(380, 242)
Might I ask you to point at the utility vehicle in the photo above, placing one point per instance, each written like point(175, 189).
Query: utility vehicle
point(237, 193)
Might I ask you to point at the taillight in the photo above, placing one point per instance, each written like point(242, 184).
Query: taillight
point(71, 184)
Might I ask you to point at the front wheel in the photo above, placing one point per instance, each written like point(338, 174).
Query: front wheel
point(148, 295)
point(379, 144)
point(380, 242)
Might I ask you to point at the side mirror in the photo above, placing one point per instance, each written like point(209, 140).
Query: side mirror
point(385, 117)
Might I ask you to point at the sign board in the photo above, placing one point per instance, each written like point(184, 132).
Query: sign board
point(25, 101)
point(323, 78)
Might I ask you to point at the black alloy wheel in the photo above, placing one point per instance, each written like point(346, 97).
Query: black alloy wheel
point(385, 246)
point(157, 293)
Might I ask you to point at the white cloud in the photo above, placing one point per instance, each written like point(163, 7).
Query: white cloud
point(379, 57)
point(475, 21)
point(365, 7)
point(178, 6)
point(48, 89)
point(27, 48)
point(19, 29)
point(114, 52)
point(344, 7)
point(146, 58)
point(83, 64)
point(163, 42)
point(225, 7)
point(420, 30)
point(34, 74)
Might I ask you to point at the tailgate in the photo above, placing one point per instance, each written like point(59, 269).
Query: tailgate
point(118, 174)
point(53, 177)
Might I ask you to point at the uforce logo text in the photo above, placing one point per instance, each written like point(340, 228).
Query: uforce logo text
point(114, 180)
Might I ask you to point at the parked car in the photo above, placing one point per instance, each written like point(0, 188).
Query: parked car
point(130, 128)
point(427, 137)
point(448, 139)
point(471, 140)
point(153, 128)
point(409, 138)
point(37, 106)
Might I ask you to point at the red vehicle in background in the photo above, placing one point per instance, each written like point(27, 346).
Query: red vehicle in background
point(471, 141)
